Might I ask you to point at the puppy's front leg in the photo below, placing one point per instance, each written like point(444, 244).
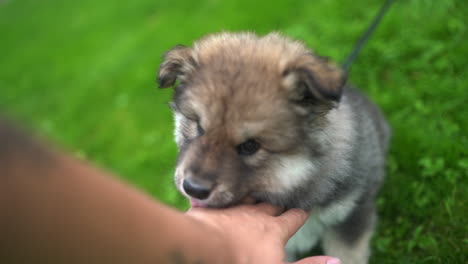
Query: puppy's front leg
point(305, 238)
point(349, 241)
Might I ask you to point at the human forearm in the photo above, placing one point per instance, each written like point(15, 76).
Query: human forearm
point(55, 209)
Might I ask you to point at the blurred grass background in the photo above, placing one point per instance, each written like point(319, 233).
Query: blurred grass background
point(82, 73)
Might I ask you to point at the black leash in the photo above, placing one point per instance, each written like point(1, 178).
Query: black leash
point(357, 48)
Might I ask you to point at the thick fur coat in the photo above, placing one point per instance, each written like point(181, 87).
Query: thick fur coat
point(265, 117)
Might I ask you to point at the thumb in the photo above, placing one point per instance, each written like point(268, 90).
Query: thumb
point(291, 221)
point(318, 260)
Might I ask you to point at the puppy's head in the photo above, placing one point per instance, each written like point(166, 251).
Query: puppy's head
point(246, 109)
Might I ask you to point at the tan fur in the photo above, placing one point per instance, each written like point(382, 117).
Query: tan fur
point(259, 75)
point(254, 67)
point(233, 88)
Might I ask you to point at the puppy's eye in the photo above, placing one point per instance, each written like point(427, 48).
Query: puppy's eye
point(200, 130)
point(249, 147)
point(195, 123)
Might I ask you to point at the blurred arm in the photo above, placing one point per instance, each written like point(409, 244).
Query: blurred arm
point(55, 209)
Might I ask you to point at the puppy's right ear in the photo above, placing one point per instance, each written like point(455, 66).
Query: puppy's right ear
point(177, 62)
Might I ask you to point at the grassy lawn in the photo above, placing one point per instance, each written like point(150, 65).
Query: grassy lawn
point(82, 73)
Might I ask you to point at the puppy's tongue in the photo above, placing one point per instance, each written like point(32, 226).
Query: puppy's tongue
point(195, 203)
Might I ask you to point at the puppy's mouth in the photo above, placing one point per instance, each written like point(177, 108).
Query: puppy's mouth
point(195, 203)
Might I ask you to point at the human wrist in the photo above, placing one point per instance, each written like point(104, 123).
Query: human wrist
point(213, 236)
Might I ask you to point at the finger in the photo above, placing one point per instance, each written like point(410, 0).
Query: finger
point(195, 211)
point(268, 209)
point(191, 210)
point(291, 221)
point(318, 260)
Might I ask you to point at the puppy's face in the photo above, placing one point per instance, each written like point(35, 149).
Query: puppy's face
point(246, 109)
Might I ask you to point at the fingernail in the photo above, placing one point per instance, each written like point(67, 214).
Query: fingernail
point(334, 261)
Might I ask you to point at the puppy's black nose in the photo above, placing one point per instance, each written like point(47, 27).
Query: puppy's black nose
point(196, 190)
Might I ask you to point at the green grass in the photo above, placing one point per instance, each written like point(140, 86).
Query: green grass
point(82, 73)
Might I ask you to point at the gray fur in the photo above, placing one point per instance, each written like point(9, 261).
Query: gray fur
point(323, 144)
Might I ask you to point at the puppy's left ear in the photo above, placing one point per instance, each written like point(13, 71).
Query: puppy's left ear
point(314, 77)
point(177, 62)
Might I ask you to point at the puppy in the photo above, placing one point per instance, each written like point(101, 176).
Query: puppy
point(267, 118)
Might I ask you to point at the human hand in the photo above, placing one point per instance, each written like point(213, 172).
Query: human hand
point(256, 233)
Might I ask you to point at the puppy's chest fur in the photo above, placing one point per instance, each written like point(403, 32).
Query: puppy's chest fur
point(350, 173)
